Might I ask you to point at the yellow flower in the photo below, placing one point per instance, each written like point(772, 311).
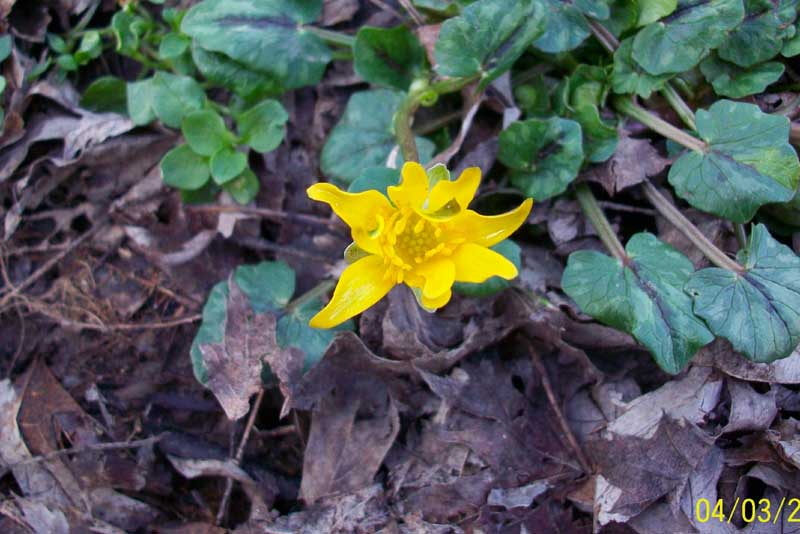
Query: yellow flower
point(423, 235)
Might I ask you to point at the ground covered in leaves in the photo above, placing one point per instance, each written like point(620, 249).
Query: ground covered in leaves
point(511, 413)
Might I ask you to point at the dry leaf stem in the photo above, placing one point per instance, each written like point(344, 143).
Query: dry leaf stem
point(598, 219)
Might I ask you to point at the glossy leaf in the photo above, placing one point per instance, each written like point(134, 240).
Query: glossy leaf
point(487, 38)
point(757, 311)
point(678, 42)
point(653, 10)
point(760, 36)
point(173, 96)
point(244, 187)
point(378, 178)
point(106, 94)
point(628, 77)
point(242, 80)
point(392, 57)
point(139, 96)
point(263, 35)
point(226, 164)
point(567, 25)
point(644, 298)
point(544, 155)
point(736, 82)
point(749, 162)
point(364, 137)
point(205, 132)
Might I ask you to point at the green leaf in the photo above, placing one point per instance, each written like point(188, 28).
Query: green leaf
point(758, 311)
point(644, 298)
point(205, 132)
point(106, 94)
point(205, 195)
point(173, 45)
point(487, 38)
point(628, 77)
point(56, 43)
point(761, 34)
point(263, 126)
point(446, 8)
point(139, 96)
point(736, 82)
point(293, 331)
point(126, 30)
point(391, 57)
point(184, 169)
point(90, 48)
point(567, 26)
point(226, 164)
point(264, 35)
point(173, 96)
point(377, 178)
point(244, 81)
point(268, 285)
point(533, 97)
point(495, 284)
point(653, 10)
point(244, 188)
point(212, 328)
point(364, 137)
point(749, 162)
point(67, 62)
point(544, 155)
point(680, 41)
point(792, 46)
point(5, 46)
point(581, 96)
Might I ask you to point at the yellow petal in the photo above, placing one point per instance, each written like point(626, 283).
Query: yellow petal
point(437, 302)
point(462, 190)
point(439, 274)
point(361, 285)
point(358, 210)
point(477, 264)
point(413, 186)
point(488, 230)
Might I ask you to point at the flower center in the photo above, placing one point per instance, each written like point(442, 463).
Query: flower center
point(408, 240)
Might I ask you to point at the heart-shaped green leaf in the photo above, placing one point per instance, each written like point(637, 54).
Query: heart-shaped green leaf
point(263, 35)
point(544, 155)
point(139, 97)
point(567, 26)
point(748, 163)
point(392, 57)
point(678, 42)
point(644, 297)
point(173, 45)
point(183, 168)
point(760, 36)
point(106, 94)
point(736, 82)
point(263, 126)
point(222, 70)
point(487, 38)
point(758, 310)
point(377, 178)
point(364, 137)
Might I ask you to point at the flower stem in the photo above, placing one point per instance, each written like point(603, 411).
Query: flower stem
point(598, 219)
point(679, 105)
point(606, 38)
point(402, 127)
point(332, 37)
point(628, 107)
point(741, 234)
point(685, 226)
point(317, 291)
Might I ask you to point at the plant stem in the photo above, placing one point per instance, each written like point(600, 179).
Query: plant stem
point(402, 126)
point(627, 106)
point(332, 37)
point(685, 226)
point(679, 105)
point(598, 219)
point(317, 291)
point(606, 38)
point(741, 234)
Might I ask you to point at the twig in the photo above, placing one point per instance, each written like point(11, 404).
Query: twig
point(110, 446)
point(223, 505)
point(472, 106)
point(269, 214)
point(551, 397)
point(49, 264)
point(128, 326)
